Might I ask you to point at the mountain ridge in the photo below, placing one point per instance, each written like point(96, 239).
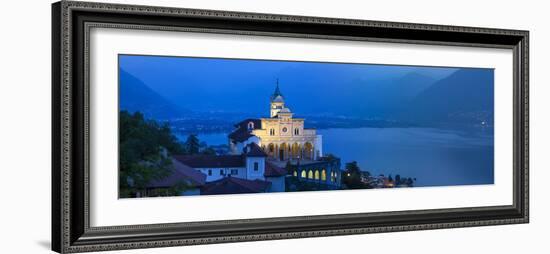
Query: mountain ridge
point(464, 96)
point(135, 95)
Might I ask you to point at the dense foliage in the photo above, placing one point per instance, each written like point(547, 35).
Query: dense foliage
point(352, 177)
point(145, 146)
point(145, 149)
point(192, 144)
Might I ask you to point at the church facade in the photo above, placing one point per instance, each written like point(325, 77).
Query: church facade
point(271, 154)
point(287, 143)
point(281, 136)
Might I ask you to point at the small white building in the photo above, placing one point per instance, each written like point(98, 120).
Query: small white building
point(250, 166)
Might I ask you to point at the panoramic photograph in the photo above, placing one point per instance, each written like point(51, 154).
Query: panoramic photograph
point(207, 126)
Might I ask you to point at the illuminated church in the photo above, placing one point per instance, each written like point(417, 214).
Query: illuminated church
point(281, 136)
point(263, 153)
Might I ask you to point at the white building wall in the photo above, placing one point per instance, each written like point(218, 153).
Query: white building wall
point(213, 174)
point(252, 174)
point(318, 146)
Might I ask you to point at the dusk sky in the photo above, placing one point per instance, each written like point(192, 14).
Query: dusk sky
point(209, 84)
point(406, 120)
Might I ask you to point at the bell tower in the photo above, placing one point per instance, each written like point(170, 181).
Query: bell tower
point(277, 102)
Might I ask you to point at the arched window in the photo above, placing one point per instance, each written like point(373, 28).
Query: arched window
point(324, 175)
point(310, 174)
point(295, 174)
point(303, 174)
point(308, 151)
point(316, 174)
point(250, 126)
point(296, 131)
point(271, 132)
point(295, 151)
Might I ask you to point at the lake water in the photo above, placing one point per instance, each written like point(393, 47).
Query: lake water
point(435, 157)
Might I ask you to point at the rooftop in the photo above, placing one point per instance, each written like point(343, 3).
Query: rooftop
point(278, 98)
point(253, 150)
point(277, 92)
point(233, 185)
point(285, 110)
point(211, 161)
point(242, 133)
point(181, 174)
point(273, 170)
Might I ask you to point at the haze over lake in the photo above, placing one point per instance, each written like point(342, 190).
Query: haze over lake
point(435, 157)
point(434, 124)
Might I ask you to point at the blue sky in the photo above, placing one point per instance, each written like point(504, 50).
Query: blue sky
point(233, 85)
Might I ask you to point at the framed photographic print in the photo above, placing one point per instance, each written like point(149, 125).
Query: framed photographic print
point(181, 126)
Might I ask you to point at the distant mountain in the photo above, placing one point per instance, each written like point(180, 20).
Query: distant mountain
point(383, 98)
point(135, 95)
point(465, 96)
point(411, 85)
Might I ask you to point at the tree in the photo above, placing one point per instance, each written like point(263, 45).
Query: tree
point(192, 144)
point(352, 176)
point(176, 190)
point(144, 147)
point(208, 151)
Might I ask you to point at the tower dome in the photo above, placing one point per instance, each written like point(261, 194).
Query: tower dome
point(278, 98)
point(277, 101)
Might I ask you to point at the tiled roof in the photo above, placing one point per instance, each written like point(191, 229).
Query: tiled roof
point(181, 173)
point(234, 185)
point(242, 133)
point(253, 150)
point(273, 170)
point(244, 123)
point(212, 161)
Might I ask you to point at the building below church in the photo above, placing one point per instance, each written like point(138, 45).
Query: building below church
point(250, 165)
point(264, 155)
point(248, 172)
